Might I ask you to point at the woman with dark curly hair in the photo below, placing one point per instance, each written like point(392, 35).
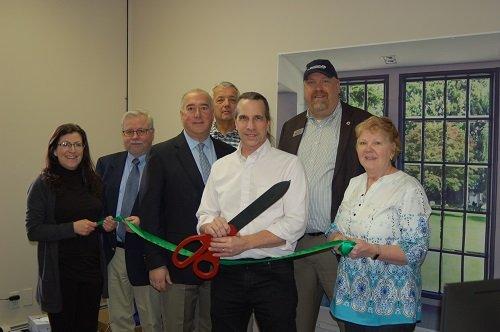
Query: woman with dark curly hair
point(63, 206)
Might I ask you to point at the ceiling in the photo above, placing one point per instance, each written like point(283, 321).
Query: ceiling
point(461, 49)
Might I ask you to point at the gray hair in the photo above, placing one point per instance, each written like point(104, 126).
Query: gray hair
point(225, 84)
point(197, 90)
point(137, 113)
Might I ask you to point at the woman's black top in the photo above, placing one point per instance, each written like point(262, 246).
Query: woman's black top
point(78, 256)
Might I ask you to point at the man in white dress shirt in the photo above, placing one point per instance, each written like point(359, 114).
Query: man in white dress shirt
point(235, 182)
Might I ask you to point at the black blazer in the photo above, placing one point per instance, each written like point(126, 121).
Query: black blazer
point(110, 168)
point(347, 164)
point(173, 195)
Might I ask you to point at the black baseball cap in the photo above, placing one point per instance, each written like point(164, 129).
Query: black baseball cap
point(322, 66)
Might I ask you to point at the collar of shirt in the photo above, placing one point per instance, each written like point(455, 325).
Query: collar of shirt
point(208, 148)
point(214, 130)
point(130, 157)
point(262, 150)
point(329, 119)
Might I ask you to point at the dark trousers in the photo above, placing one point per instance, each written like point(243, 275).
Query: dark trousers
point(351, 327)
point(80, 310)
point(267, 288)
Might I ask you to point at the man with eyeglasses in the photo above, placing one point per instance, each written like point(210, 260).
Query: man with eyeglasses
point(225, 96)
point(323, 138)
point(177, 173)
point(123, 177)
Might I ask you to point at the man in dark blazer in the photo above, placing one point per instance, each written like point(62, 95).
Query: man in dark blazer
point(323, 137)
point(177, 173)
point(128, 278)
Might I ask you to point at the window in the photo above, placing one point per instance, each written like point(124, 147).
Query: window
point(368, 93)
point(447, 144)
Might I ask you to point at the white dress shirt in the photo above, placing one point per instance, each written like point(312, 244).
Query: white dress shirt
point(236, 181)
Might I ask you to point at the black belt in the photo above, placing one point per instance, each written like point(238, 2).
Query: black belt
point(120, 244)
point(315, 234)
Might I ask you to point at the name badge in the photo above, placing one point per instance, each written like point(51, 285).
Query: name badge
point(298, 132)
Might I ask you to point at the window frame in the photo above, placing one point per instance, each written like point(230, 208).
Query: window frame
point(491, 211)
point(367, 80)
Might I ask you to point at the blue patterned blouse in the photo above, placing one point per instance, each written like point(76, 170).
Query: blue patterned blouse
point(394, 211)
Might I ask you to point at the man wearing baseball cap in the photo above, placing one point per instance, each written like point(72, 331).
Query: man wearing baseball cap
point(323, 137)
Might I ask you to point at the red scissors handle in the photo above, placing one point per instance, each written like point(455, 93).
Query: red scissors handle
point(200, 255)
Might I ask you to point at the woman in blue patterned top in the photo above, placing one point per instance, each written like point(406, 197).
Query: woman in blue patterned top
point(385, 211)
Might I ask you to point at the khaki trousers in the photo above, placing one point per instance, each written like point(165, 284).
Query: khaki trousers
point(187, 308)
point(121, 299)
point(315, 275)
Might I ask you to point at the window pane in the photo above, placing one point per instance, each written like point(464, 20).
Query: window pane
point(454, 187)
point(455, 142)
point(456, 92)
point(473, 268)
point(450, 269)
point(475, 233)
point(479, 98)
point(357, 95)
point(453, 230)
point(435, 225)
point(343, 93)
point(477, 195)
point(433, 184)
point(413, 99)
point(479, 133)
point(434, 98)
point(413, 170)
point(375, 102)
point(430, 272)
point(433, 136)
point(413, 141)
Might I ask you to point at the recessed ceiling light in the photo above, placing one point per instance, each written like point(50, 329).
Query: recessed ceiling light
point(389, 59)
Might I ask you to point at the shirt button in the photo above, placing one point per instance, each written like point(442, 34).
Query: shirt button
point(359, 205)
point(354, 213)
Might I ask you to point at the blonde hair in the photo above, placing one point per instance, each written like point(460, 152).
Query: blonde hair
point(384, 125)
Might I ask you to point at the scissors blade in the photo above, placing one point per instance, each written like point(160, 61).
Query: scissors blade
point(261, 204)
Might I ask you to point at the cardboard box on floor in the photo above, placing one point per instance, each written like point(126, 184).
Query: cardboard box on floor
point(103, 323)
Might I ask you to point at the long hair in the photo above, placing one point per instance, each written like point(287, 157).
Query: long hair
point(89, 176)
point(251, 95)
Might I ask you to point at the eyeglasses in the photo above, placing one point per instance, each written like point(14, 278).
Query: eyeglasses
point(140, 132)
point(68, 145)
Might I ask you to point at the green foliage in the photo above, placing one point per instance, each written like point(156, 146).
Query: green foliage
point(375, 96)
point(456, 92)
point(479, 98)
point(434, 98)
point(433, 140)
point(478, 141)
point(433, 184)
point(357, 95)
point(455, 142)
point(414, 99)
point(413, 140)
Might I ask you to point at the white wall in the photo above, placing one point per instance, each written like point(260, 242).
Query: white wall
point(61, 61)
point(178, 45)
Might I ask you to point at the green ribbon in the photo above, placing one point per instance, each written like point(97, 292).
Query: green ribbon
point(344, 246)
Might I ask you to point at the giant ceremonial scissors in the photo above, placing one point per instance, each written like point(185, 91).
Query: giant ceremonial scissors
point(261, 204)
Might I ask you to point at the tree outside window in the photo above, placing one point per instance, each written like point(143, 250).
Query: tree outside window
point(446, 145)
